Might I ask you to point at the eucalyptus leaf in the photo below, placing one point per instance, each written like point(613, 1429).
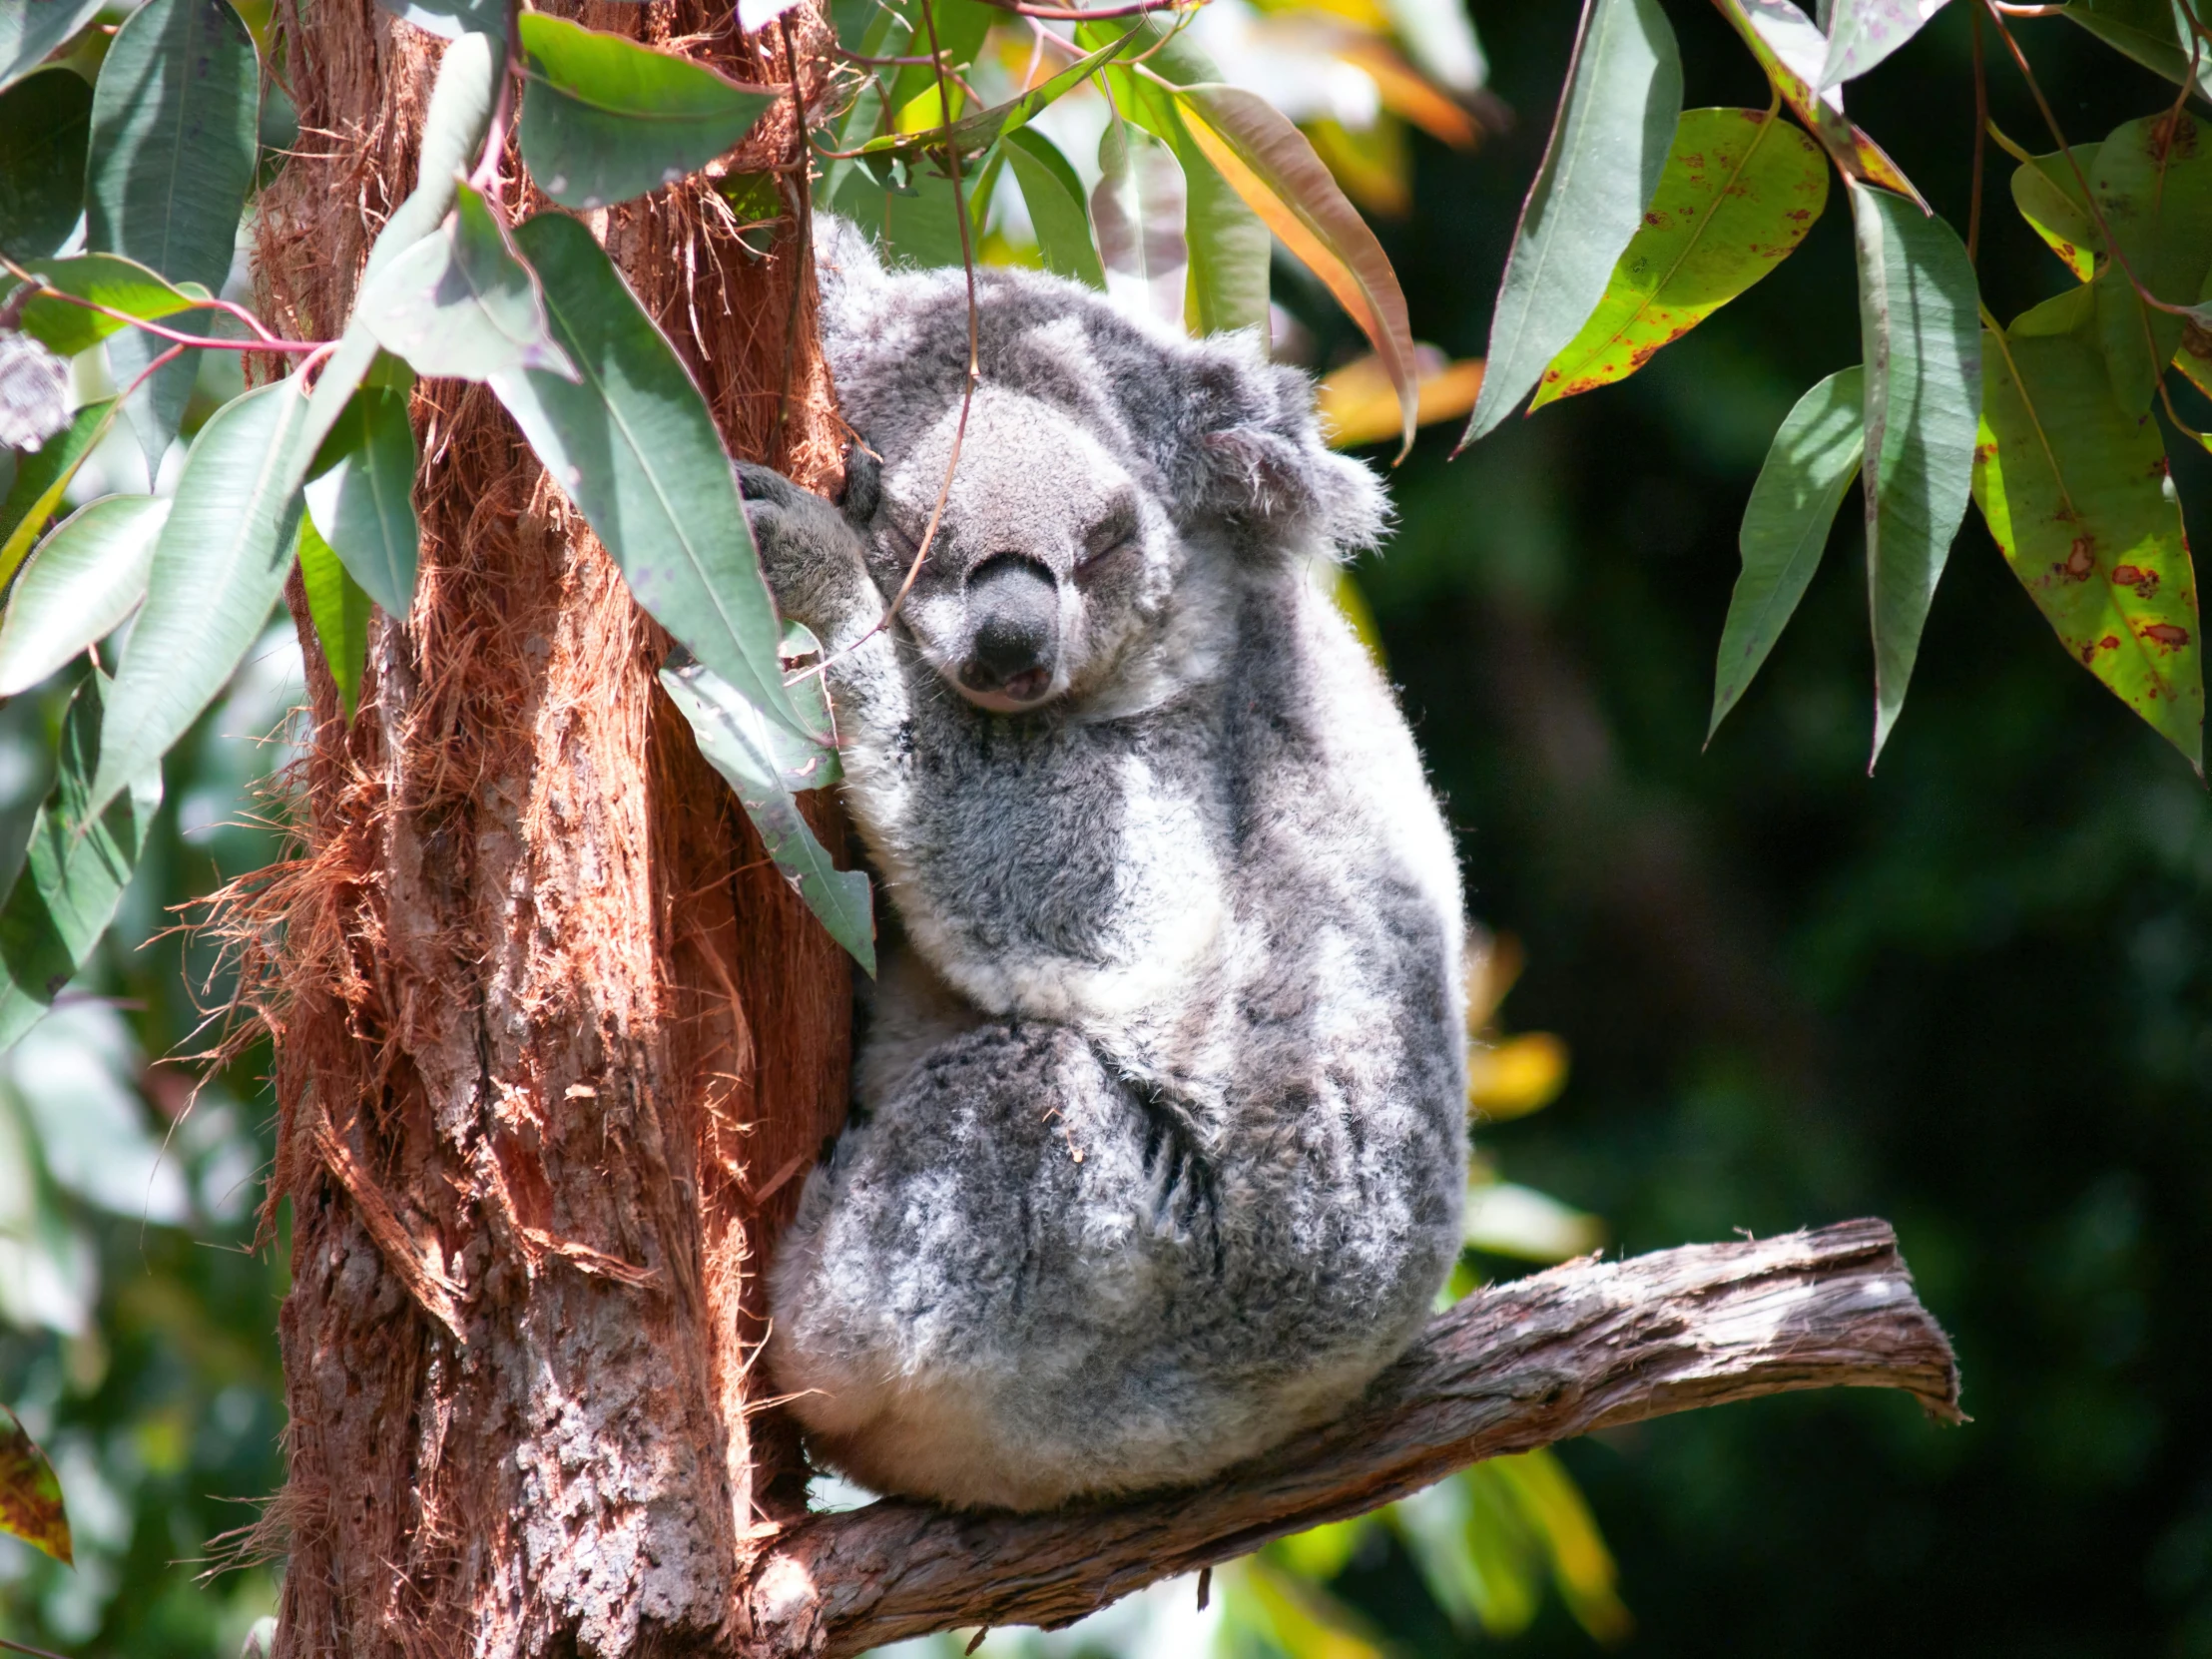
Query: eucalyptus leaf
point(106, 280)
point(30, 1497)
point(1793, 50)
point(78, 586)
point(632, 442)
point(175, 124)
point(35, 493)
point(460, 302)
point(976, 133)
point(1920, 335)
point(1053, 195)
point(339, 609)
point(1861, 33)
point(31, 31)
point(80, 860)
point(2050, 198)
point(2152, 179)
point(45, 124)
point(1815, 456)
point(218, 568)
point(1607, 151)
point(1137, 207)
point(739, 742)
point(2152, 32)
point(362, 493)
point(453, 19)
point(606, 118)
point(157, 407)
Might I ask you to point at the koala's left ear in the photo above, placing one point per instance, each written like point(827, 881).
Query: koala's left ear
point(1286, 486)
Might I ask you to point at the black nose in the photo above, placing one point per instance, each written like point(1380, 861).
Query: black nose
point(1015, 606)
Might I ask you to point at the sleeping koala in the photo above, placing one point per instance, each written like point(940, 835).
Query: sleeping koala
point(1159, 1137)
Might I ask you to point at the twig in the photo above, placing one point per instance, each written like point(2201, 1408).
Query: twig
point(1592, 1345)
point(802, 170)
point(26, 1647)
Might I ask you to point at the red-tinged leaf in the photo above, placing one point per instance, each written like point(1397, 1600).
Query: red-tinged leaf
point(1792, 50)
point(2074, 491)
point(1268, 162)
point(1740, 191)
point(30, 1497)
point(1861, 33)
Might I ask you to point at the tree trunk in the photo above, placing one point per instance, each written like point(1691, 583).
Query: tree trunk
point(554, 1042)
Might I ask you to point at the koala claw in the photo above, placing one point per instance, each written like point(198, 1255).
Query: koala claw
point(812, 558)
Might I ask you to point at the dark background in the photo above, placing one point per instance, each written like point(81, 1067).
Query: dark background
point(1968, 993)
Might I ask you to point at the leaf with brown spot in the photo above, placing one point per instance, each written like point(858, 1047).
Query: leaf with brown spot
point(1739, 192)
point(30, 1497)
point(2050, 199)
point(2152, 178)
point(2073, 491)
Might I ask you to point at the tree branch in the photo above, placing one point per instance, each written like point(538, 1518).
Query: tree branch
point(1591, 1345)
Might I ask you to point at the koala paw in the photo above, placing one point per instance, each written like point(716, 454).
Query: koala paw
point(814, 558)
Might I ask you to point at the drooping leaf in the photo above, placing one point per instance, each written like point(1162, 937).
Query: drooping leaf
point(1228, 246)
point(1861, 33)
point(633, 444)
point(1053, 195)
point(30, 1497)
point(2151, 32)
point(1269, 164)
point(2050, 200)
point(2152, 179)
point(106, 280)
point(1792, 50)
point(155, 410)
point(976, 133)
point(45, 123)
point(1920, 334)
point(460, 302)
point(1815, 456)
point(453, 19)
point(606, 118)
point(79, 585)
point(1357, 405)
point(218, 568)
point(31, 33)
point(2073, 490)
point(41, 477)
point(79, 862)
point(739, 742)
point(1740, 191)
point(1138, 210)
point(175, 119)
point(1607, 149)
point(339, 608)
point(362, 493)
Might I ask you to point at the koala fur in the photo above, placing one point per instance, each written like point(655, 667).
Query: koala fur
point(1158, 1147)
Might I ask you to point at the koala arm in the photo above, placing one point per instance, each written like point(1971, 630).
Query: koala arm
point(814, 557)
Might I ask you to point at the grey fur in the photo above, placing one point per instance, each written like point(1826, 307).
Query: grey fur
point(1158, 1148)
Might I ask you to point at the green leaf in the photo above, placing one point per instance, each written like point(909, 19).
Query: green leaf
point(30, 1497)
point(362, 494)
point(2153, 182)
point(218, 566)
point(1739, 193)
point(1138, 210)
point(42, 477)
point(976, 133)
point(156, 408)
point(339, 608)
point(453, 19)
point(2050, 200)
point(78, 587)
point(1861, 33)
point(2074, 491)
point(174, 121)
point(79, 862)
point(2152, 32)
point(739, 744)
point(913, 227)
point(1812, 462)
point(106, 279)
point(2194, 359)
point(1272, 166)
point(45, 121)
point(460, 304)
point(1604, 159)
point(1920, 334)
point(606, 119)
point(1228, 244)
point(1053, 195)
point(633, 444)
point(1792, 51)
point(31, 33)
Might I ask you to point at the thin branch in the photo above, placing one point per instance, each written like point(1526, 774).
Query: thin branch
point(37, 287)
point(1592, 1345)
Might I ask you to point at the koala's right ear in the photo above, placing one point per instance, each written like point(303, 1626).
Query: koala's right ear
point(1288, 486)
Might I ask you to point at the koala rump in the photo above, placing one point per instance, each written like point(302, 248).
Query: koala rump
point(1158, 1144)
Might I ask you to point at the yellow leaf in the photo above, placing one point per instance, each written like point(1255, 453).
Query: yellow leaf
point(1360, 405)
point(1517, 1076)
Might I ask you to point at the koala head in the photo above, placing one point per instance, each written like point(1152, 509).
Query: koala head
point(1102, 455)
point(1051, 558)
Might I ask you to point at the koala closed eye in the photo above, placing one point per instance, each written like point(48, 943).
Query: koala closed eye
point(1109, 535)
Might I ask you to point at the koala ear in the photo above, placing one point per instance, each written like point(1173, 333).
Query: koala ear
point(864, 482)
point(1286, 486)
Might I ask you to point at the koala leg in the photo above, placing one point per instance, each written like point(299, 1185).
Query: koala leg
point(1011, 1287)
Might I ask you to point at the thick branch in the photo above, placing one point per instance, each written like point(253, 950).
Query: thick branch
point(1591, 1345)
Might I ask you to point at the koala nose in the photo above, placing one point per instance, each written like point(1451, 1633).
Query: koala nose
point(1016, 604)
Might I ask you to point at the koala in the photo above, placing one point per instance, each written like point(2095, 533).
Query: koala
point(1157, 1143)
